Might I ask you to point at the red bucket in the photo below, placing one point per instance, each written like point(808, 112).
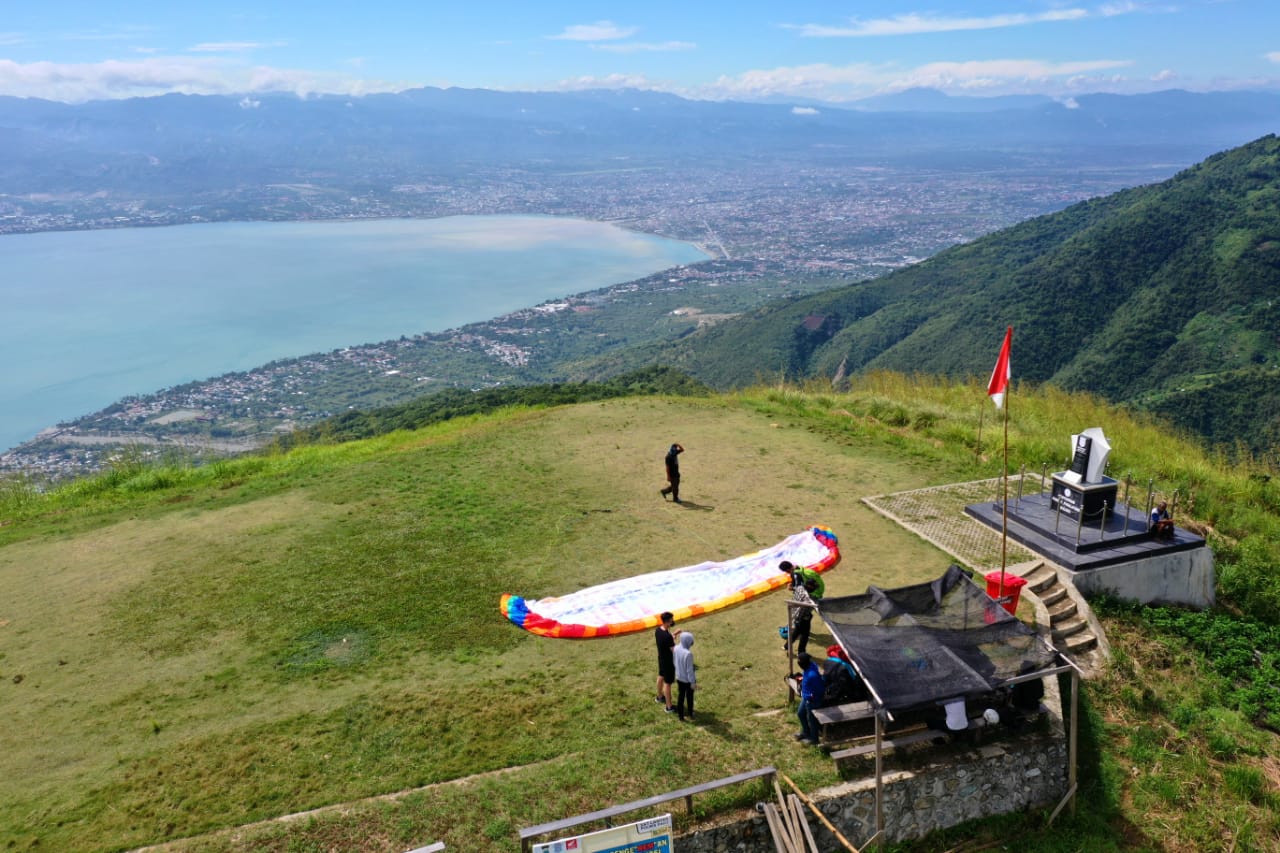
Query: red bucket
point(1002, 584)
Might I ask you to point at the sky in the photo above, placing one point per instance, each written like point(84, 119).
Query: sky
point(78, 50)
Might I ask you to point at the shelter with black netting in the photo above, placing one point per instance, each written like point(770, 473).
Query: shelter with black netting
point(919, 646)
point(944, 643)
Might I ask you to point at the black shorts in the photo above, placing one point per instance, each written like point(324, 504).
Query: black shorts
point(667, 675)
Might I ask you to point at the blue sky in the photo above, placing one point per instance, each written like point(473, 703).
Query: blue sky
point(75, 50)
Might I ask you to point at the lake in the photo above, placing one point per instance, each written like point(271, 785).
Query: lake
point(90, 317)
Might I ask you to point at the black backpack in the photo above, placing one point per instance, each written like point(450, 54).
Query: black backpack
point(842, 686)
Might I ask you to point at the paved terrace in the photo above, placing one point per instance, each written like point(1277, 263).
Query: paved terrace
point(937, 515)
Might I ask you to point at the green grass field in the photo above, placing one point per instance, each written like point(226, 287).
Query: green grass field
point(187, 654)
point(234, 654)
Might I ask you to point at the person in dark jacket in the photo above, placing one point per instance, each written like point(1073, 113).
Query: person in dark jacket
point(812, 690)
point(673, 473)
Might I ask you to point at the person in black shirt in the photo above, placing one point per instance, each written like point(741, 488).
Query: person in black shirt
point(673, 473)
point(666, 642)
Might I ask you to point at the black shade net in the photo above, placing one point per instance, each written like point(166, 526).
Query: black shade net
point(944, 639)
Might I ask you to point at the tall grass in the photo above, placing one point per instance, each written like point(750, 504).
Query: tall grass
point(1234, 503)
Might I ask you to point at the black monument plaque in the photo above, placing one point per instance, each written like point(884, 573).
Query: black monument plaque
point(1090, 498)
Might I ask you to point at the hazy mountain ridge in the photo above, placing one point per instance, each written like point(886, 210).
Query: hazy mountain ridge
point(1148, 296)
point(793, 198)
point(198, 143)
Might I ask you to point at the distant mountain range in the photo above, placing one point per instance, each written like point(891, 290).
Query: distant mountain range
point(176, 144)
point(1164, 296)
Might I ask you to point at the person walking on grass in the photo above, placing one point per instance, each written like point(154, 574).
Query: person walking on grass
point(666, 642)
point(686, 677)
point(673, 473)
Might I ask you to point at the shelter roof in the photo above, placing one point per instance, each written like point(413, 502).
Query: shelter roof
point(930, 642)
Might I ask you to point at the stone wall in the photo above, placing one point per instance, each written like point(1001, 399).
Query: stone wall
point(1026, 772)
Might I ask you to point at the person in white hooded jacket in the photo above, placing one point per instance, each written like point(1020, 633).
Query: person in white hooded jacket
point(686, 677)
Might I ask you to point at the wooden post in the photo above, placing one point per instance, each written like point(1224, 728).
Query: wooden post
point(879, 776)
point(1074, 738)
point(819, 815)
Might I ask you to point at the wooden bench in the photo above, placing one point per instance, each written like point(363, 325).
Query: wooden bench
point(834, 717)
point(887, 744)
point(846, 713)
point(976, 733)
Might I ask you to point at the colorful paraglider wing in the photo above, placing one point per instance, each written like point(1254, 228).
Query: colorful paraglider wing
point(634, 604)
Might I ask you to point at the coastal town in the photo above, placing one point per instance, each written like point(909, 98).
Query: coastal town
point(780, 230)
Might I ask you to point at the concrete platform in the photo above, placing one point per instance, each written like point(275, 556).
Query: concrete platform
point(1120, 557)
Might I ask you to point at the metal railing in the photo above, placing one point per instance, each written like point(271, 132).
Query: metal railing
point(529, 833)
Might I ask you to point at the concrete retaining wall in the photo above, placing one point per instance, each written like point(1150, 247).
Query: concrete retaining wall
point(1027, 772)
point(1180, 577)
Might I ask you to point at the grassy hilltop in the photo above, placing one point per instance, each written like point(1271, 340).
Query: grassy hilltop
point(187, 652)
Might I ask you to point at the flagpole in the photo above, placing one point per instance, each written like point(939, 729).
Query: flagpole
point(978, 450)
point(998, 390)
point(1004, 522)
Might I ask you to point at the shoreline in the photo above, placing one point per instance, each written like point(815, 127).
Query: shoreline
point(574, 229)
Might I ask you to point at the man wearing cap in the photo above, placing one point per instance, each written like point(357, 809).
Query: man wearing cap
point(816, 587)
point(673, 473)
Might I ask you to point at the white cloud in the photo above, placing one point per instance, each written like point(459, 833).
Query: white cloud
point(247, 103)
point(912, 24)
point(1274, 56)
point(599, 31)
point(803, 111)
point(10, 39)
point(158, 75)
point(610, 81)
point(1110, 10)
point(231, 46)
point(1165, 76)
point(643, 47)
point(985, 74)
point(851, 82)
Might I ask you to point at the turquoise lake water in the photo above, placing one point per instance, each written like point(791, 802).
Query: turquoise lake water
point(90, 317)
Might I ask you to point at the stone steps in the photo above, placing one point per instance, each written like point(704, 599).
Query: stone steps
point(1068, 627)
point(1054, 595)
point(1063, 610)
point(1040, 577)
point(1078, 644)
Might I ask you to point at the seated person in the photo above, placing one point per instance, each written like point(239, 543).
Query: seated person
point(1161, 524)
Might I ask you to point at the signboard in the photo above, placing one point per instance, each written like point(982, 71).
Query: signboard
point(1080, 459)
point(645, 836)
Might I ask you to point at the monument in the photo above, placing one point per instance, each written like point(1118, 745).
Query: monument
point(1094, 542)
point(1083, 492)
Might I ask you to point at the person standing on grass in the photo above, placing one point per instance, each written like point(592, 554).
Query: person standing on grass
point(686, 677)
point(812, 689)
point(673, 473)
point(666, 642)
point(813, 584)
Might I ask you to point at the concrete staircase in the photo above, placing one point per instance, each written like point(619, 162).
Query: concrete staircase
point(1069, 627)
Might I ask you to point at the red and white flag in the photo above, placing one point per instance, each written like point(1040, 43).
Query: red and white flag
point(1000, 376)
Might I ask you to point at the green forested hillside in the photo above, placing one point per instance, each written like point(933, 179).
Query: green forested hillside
point(1165, 296)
